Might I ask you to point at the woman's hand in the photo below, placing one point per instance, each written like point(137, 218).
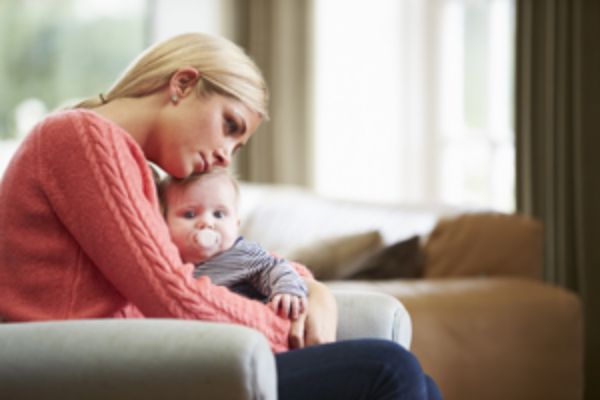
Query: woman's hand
point(319, 323)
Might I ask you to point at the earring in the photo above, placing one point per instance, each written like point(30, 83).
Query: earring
point(174, 99)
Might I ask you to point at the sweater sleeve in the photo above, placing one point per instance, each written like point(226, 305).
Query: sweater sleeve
point(285, 280)
point(97, 180)
point(301, 269)
point(269, 274)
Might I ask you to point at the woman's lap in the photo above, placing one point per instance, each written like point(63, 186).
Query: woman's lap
point(356, 369)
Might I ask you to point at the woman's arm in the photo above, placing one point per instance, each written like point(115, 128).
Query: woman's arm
point(319, 324)
point(100, 188)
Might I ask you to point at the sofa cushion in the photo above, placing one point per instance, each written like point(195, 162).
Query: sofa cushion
point(403, 259)
point(484, 244)
point(338, 257)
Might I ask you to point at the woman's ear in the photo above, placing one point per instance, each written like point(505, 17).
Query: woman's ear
point(182, 83)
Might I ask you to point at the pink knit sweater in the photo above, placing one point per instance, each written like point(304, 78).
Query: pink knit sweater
point(81, 236)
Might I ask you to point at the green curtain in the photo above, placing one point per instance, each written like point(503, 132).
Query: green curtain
point(278, 37)
point(558, 144)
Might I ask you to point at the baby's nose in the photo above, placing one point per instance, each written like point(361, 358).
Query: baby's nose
point(204, 222)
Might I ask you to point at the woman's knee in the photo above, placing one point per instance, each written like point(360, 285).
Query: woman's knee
point(397, 357)
point(401, 372)
point(407, 369)
point(364, 368)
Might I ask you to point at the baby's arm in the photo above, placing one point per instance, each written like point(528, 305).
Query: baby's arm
point(288, 296)
point(275, 278)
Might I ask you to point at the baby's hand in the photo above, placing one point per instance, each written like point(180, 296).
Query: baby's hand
point(288, 305)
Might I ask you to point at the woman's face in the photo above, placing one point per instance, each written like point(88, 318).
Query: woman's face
point(196, 134)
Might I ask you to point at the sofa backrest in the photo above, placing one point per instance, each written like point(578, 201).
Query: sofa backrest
point(297, 223)
point(285, 217)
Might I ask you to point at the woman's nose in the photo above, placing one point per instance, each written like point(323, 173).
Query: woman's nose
point(222, 158)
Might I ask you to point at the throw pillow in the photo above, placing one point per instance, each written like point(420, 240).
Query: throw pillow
point(403, 259)
point(337, 258)
point(484, 244)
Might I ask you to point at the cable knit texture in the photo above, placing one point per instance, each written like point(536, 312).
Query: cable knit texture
point(81, 236)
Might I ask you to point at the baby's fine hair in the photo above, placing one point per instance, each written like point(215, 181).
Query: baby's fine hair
point(223, 66)
point(164, 184)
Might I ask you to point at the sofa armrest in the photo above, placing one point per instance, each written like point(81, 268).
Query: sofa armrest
point(375, 315)
point(160, 358)
point(134, 359)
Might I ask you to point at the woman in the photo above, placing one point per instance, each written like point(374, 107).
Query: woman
point(81, 235)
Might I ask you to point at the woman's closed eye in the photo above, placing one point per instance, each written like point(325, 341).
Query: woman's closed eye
point(231, 126)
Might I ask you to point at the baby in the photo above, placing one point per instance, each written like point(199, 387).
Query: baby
point(202, 215)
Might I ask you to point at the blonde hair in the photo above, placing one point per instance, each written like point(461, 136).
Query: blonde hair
point(223, 66)
point(164, 184)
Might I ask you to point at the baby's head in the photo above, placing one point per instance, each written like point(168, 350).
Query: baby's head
point(202, 213)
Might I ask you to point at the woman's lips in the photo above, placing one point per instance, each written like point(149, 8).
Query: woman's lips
point(200, 165)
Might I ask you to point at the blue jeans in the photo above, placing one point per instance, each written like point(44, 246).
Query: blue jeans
point(365, 369)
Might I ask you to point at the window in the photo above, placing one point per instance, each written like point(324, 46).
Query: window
point(45, 58)
point(414, 103)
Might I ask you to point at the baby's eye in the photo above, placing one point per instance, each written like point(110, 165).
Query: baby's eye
point(189, 214)
point(219, 214)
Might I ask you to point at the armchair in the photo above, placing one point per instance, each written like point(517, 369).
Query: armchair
point(161, 359)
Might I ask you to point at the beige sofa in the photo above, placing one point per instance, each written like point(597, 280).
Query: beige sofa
point(485, 325)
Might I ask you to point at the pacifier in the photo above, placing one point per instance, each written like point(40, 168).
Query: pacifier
point(206, 238)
